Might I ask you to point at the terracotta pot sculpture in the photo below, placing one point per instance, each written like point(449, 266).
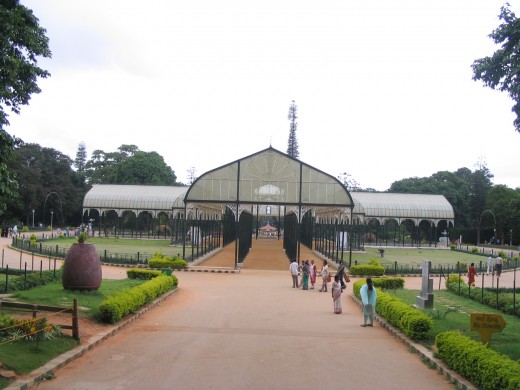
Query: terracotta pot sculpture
point(82, 268)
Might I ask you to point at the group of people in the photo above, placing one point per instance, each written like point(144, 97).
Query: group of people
point(308, 272)
point(494, 264)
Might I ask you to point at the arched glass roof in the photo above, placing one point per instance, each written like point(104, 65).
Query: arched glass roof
point(269, 177)
point(401, 206)
point(134, 197)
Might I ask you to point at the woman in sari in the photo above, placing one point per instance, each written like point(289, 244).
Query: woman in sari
point(336, 293)
point(471, 274)
point(313, 272)
point(324, 276)
point(305, 275)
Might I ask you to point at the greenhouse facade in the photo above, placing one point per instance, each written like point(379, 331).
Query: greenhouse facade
point(230, 204)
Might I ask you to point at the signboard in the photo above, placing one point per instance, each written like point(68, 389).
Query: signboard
point(486, 324)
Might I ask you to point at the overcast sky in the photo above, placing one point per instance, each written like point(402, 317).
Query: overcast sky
point(384, 88)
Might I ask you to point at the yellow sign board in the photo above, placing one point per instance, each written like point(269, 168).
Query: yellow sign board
point(486, 324)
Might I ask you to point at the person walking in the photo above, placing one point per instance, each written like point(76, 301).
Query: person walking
point(490, 264)
point(368, 299)
point(313, 272)
point(294, 273)
point(324, 276)
point(498, 265)
point(336, 293)
point(471, 274)
point(305, 276)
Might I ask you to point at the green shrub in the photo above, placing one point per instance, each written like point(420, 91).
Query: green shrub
point(25, 229)
point(158, 260)
point(143, 274)
point(117, 306)
point(483, 367)
point(453, 247)
point(33, 280)
point(412, 322)
point(7, 323)
point(367, 270)
point(502, 253)
point(454, 278)
point(474, 250)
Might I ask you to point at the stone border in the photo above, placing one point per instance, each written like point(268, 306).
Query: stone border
point(47, 370)
point(424, 353)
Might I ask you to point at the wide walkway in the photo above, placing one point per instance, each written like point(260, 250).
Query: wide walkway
point(249, 330)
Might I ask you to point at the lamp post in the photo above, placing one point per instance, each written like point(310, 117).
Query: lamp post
point(33, 217)
point(510, 237)
point(52, 214)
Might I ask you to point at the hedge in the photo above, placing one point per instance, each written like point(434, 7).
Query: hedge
point(33, 280)
point(142, 274)
point(367, 270)
point(128, 301)
point(414, 323)
point(485, 368)
point(487, 297)
point(158, 260)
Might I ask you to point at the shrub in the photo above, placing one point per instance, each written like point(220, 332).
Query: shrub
point(453, 279)
point(453, 247)
point(82, 237)
point(117, 306)
point(158, 260)
point(143, 274)
point(485, 368)
point(25, 229)
point(474, 250)
point(367, 270)
point(33, 280)
point(6, 324)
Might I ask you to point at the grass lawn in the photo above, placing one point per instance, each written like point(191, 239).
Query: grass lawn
point(452, 312)
point(25, 356)
point(413, 257)
point(123, 245)
point(54, 294)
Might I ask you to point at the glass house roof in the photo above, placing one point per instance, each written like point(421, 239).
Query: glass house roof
point(269, 177)
point(401, 206)
point(134, 197)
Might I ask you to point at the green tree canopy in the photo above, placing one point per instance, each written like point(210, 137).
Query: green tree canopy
point(502, 70)
point(129, 165)
point(41, 171)
point(22, 41)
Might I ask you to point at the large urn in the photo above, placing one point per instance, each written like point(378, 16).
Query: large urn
point(82, 268)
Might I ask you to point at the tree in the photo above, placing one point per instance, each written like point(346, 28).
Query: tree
point(41, 171)
point(502, 70)
point(81, 157)
point(192, 175)
point(129, 165)
point(349, 182)
point(22, 40)
point(292, 145)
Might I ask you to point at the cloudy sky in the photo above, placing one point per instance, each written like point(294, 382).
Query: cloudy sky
point(383, 88)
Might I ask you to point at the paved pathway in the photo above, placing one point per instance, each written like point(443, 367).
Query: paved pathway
point(249, 330)
point(246, 330)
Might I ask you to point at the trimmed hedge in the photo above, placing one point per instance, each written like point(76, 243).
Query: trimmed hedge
point(33, 280)
point(413, 322)
point(142, 274)
point(367, 270)
point(485, 368)
point(117, 306)
point(158, 260)
point(487, 297)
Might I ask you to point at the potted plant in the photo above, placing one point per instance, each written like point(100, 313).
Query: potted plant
point(82, 266)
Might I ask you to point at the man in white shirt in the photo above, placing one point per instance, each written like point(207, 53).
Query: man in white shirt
point(294, 273)
point(489, 264)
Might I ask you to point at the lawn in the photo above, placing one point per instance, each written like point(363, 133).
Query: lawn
point(54, 294)
point(26, 356)
point(452, 312)
point(115, 246)
point(412, 257)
